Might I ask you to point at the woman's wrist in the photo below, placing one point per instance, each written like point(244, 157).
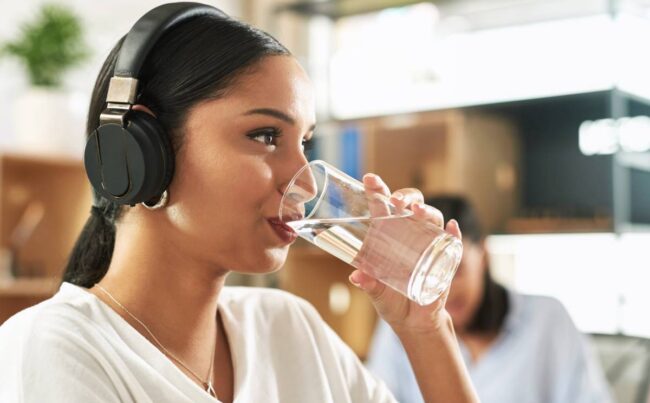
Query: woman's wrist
point(440, 324)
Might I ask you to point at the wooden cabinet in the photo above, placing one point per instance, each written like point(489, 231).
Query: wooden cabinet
point(466, 153)
point(44, 203)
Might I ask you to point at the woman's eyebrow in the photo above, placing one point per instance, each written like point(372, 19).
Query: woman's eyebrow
point(273, 113)
point(276, 114)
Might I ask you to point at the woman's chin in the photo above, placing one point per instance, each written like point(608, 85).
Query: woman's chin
point(270, 261)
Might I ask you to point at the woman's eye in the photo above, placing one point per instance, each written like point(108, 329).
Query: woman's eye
point(307, 145)
point(267, 137)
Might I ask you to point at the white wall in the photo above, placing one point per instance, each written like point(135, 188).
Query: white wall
point(105, 22)
point(603, 280)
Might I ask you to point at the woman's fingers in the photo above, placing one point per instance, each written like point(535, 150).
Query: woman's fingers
point(405, 198)
point(454, 229)
point(411, 198)
point(428, 213)
point(370, 285)
point(377, 193)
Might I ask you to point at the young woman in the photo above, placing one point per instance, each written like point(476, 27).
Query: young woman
point(143, 314)
point(518, 348)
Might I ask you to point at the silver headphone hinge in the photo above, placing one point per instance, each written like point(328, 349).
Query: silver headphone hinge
point(122, 90)
point(114, 113)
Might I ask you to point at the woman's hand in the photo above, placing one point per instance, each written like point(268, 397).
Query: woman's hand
point(400, 312)
point(426, 332)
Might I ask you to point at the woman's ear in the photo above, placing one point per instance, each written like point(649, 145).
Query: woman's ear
point(142, 108)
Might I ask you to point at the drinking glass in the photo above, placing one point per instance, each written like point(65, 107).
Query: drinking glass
point(364, 229)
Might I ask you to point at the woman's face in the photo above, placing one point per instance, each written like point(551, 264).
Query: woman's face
point(467, 287)
point(239, 152)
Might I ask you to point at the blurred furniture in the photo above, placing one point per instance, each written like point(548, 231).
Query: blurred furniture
point(44, 202)
point(626, 363)
point(467, 153)
point(322, 279)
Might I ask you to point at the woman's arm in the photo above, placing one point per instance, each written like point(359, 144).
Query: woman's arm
point(426, 332)
point(437, 363)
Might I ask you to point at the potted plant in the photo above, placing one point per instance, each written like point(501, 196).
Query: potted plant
point(47, 47)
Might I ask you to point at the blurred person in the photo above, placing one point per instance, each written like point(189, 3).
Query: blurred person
point(143, 314)
point(518, 348)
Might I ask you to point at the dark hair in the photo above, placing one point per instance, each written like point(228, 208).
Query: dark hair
point(195, 61)
point(494, 304)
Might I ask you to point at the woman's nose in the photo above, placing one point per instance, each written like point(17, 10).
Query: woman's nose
point(290, 168)
point(300, 188)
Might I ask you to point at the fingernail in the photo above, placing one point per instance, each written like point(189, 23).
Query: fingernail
point(354, 279)
point(453, 221)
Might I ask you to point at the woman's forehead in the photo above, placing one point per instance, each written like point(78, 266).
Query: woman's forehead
point(275, 78)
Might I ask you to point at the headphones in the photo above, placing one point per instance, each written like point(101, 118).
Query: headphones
point(129, 157)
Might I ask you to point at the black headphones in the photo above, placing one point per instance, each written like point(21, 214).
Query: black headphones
point(129, 158)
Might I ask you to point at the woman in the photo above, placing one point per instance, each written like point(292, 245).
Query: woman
point(518, 348)
point(143, 314)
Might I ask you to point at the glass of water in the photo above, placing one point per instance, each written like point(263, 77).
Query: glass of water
point(334, 212)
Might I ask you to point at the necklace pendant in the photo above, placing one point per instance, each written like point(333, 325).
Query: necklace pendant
point(210, 389)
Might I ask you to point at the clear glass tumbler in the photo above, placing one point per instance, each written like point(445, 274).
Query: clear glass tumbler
point(334, 212)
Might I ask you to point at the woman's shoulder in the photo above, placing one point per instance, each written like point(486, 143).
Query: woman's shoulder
point(67, 311)
point(51, 336)
point(543, 314)
point(541, 306)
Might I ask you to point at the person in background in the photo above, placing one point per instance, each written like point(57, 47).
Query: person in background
point(518, 348)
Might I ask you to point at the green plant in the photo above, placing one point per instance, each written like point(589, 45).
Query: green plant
point(49, 45)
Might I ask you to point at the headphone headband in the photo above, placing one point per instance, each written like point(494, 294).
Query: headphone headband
point(140, 40)
point(129, 158)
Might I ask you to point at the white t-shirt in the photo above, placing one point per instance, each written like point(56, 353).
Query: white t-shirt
point(74, 348)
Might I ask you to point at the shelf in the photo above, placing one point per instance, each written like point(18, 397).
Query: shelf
point(558, 225)
point(29, 287)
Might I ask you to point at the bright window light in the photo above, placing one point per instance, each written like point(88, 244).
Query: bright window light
point(607, 136)
point(398, 61)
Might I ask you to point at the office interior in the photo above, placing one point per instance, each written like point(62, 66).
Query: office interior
point(538, 112)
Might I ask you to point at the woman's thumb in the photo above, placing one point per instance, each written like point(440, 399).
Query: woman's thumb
point(370, 285)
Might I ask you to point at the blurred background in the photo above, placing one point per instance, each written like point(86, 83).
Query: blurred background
point(538, 111)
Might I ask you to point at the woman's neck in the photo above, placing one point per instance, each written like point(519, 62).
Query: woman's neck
point(173, 295)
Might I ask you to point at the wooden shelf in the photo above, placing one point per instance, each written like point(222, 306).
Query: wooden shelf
point(47, 200)
point(558, 225)
point(29, 287)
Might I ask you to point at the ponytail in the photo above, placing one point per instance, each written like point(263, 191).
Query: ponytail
point(93, 250)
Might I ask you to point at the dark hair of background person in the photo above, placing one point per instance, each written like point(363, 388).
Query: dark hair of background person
point(195, 61)
point(494, 304)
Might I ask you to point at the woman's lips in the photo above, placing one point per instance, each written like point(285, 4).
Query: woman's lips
point(282, 230)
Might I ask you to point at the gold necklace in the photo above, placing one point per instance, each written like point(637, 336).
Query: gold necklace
point(206, 384)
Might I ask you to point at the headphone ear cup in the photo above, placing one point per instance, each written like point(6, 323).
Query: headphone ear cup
point(157, 152)
point(131, 164)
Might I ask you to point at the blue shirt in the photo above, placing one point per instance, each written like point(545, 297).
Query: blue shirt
point(539, 357)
